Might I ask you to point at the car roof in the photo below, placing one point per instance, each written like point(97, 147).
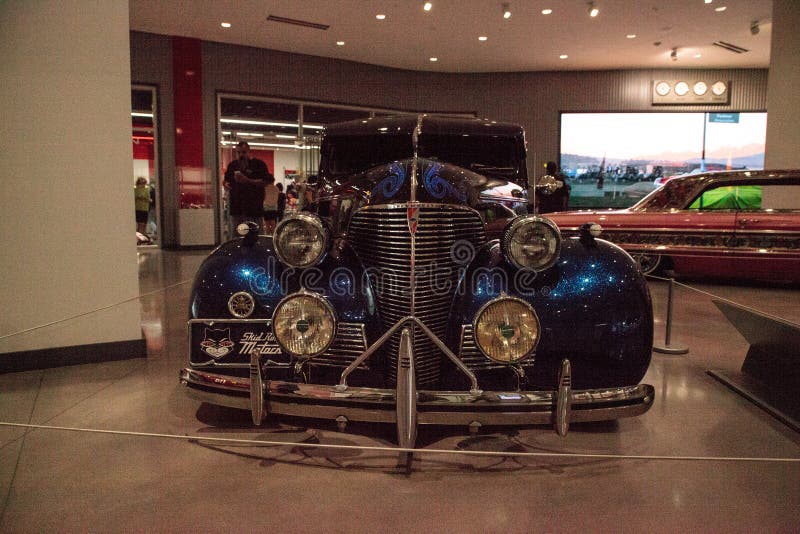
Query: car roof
point(430, 124)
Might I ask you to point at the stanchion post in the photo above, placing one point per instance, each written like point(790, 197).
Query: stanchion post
point(667, 348)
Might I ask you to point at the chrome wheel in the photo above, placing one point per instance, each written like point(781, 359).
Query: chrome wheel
point(648, 263)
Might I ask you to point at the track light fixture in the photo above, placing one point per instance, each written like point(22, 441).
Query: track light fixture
point(754, 27)
point(593, 10)
point(506, 11)
point(674, 54)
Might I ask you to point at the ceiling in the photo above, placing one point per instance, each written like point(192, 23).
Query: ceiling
point(527, 41)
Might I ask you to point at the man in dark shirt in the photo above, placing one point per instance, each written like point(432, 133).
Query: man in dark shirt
point(245, 179)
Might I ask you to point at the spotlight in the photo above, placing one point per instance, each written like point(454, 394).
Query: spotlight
point(506, 11)
point(754, 27)
point(593, 10)
point(674, 54)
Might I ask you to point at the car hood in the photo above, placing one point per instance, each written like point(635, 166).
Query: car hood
point(435, 182)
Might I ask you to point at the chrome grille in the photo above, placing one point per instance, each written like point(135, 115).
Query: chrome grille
point(349, 343)
point(381, 237)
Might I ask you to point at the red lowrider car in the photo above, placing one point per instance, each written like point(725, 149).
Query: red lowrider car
point(743, 224)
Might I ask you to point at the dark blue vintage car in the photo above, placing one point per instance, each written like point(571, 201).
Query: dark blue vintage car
point(385, 301)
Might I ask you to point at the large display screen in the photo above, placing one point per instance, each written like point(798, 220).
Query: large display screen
point(614, 159)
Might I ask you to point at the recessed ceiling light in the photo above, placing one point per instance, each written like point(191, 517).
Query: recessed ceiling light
point(380, 16)
point(506, 11)
point(483, 38)
point(631, 36)
point(546, 11)
point(340, 43)
point(225, 24)
point(698, 55)
point(427, 6)
point(593, 10)
point(563, 56)
point(708, 1)
point(434, 59)
point(720, 8)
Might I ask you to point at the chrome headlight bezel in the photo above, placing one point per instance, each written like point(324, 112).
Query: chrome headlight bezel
point(325, 305)
point(313, 224)
point(530, 223)
point(241, 304)
point(498, 301)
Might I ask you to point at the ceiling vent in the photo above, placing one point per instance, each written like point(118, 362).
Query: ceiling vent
point(731, 47)
point(295, 22)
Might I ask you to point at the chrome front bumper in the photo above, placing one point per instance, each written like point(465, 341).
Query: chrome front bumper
point(434, 407)
point(406, 406)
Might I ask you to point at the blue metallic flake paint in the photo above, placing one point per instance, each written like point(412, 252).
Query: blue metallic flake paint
point(593, 305)
point(437, 186)
point(389, 186)
point(442, 183)
point(256, 269)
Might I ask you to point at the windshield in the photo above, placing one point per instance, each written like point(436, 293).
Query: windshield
point(352, 154)
point(487, 155)
point(672, 195)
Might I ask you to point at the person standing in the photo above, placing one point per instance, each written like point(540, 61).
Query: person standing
point(558, 199)
point(245, 179)
point(141, 195)
point(271, 193)
point(281, 201)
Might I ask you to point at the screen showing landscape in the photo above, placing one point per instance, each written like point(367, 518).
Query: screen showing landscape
point(614, 159)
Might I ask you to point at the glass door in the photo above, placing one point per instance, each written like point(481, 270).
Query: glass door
point(145, 183)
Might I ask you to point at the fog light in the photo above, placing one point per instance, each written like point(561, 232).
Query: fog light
point(507, 330)
point(304, 324)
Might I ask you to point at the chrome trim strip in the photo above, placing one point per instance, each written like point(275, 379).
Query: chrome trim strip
point(435, 407)
point(406, 396)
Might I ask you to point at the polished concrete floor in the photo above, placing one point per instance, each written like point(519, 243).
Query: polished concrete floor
point(110, 448)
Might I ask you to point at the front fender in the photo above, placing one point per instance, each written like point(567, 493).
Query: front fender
point(235, 267)
point(593, 305)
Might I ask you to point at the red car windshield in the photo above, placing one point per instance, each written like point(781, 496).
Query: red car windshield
point(674, 194)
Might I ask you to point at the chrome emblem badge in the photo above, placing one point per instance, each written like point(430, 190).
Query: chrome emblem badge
point(412, 213)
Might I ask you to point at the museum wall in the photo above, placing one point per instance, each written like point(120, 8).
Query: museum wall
point(533, 99)
point(67, 222)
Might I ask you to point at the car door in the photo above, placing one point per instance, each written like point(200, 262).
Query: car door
point(768, 233)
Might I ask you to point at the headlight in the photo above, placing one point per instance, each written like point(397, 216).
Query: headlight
point(241, 304)
point(506, 330)
point(532, 242)
point(301, 240)
point(304, 324)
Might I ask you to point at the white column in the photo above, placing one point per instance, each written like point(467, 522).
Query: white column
point(66, 199)
point(783, 88)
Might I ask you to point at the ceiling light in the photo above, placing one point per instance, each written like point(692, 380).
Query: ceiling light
point(339, 43)
point(593, 10)
point(673, 55)
point(428, 6)
point(546, 11)
point(563, 56)
point(631, 36)
point(225, 24)
point(380, 16)
point(754, 27)
point(698, 55)
point(720, 9)
point(506, 11)
point(708, 1)
point(434, 59)
point(483, 38)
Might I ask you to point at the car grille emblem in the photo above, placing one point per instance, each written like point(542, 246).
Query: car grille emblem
point(412, 213)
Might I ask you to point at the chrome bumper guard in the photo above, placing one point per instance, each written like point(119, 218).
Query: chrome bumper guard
point(407, 407)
